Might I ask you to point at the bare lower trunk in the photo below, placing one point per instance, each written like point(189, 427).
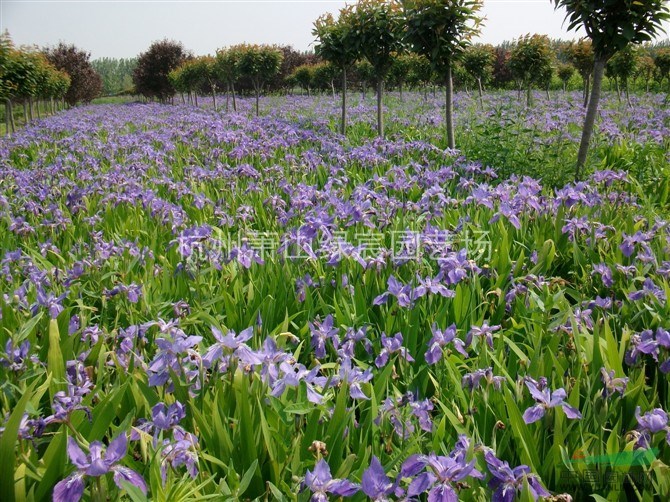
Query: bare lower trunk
point(380, 113)
point(258, 95)
point(529, 96)
point(31, 113)
point(214, 97)
point(25, 112)
point(8, 109)
point(591, 111)
point(195, 98)
point(400, 88)
point(481, 93)
point(343, 124)
point(587, 82)
point(39, 115)
point(449, 109)
point(232, 91)
point(227, 97)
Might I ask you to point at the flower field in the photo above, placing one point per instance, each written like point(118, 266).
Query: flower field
point(204, 305)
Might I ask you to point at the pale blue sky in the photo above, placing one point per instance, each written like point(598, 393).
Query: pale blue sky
point(123, 28)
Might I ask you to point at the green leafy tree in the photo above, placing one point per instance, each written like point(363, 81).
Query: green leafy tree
point(478, 62)
point(377, 26)
point(441, 30)
point(335, 44)
point(420, 72)
point(662, 63)
point(580, 54)
point(611, 25)
point(565, 71)
point(622, 67)
point(365, 74)
point(645, 69)
point(531, 63)
point(259, 63)
point(303, 75)
point(324, 76)
point(399, 71)
point(228, 70)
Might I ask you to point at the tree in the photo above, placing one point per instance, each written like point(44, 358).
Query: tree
point(227, 70)
point(400, 68)
point(502, 75)
point(478, 62)
point(662, 63)
point(335, 44)
point(303, 75)
point(611, 25)
point(645, 69)
point(440, 30)
point(580, 54)
point(153, 66)
point(565, 72)
point(378, 33)
point(324, 75)
point(622, 67)
point(531, 63)
point(85, 82)
point(259, 63)
point(117, 74)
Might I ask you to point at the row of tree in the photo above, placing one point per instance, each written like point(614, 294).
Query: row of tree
point(43, 81)
point(442, 30)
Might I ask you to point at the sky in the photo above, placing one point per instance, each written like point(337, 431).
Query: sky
point(124, 28)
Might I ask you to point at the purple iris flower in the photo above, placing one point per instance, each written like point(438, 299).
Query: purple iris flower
point(612, 384)
point(96, 464)
point(322, 332)
point(375, 483)
point(485, 331)
point(649, 424)
point(403, 292)
point(506, 482)
point(391, 345)
point(440, 340)
point(605, 274)
point(354, 376)
point(180, 451)
point(545, 400)
point(230, 341)
point(321, 482)
point(441, 473)
point(15, 357)
point(432, 286)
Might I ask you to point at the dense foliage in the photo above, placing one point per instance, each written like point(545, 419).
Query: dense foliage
point(150, 75)
point(85, 82)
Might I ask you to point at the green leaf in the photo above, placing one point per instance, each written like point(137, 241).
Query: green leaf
point(8, 445)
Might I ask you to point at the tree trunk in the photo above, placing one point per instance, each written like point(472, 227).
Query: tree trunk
point(618, 89)
point(31, 112)
point(214, 96)
point(449, 109)
point(39, 114)
point(343, 124)
point(625, 86)
point(25, 112)
point(8, 109)
point(592, 110)
point(587, 82)
point(195, 98)
point(232, 91)
point(481, 93)
point(380, 113)
point(332, 87)
point(258, 95)
point(227, 97)
point(529, 96)
point(400, 88)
